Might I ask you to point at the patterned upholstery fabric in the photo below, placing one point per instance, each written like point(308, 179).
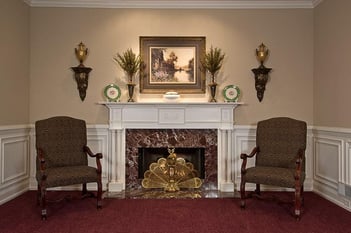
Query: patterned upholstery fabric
point(276, 176)
point(62, 140)
point(62, 176)
point(279, 140)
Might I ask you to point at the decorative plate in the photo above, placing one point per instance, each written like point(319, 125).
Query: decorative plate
point(112, 92)
point(231, 93)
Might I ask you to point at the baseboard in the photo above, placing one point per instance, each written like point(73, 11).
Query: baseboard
point(332, 195)
point(12, 191)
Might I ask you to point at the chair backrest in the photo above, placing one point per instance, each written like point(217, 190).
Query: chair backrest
point(279, 140)
point(62, 140)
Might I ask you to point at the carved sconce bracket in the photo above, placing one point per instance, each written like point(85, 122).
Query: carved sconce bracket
point(81, 74)
point(261, 78)
point(261, 73)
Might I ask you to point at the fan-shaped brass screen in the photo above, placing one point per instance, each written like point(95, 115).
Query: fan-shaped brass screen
point(171, 174)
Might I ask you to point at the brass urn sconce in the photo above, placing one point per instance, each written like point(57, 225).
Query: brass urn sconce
point(261, 73)
point(81, 73)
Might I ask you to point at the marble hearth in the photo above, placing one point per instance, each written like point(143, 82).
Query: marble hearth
point(134, 125)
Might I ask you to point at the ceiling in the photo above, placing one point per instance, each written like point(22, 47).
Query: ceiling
point(184, 4)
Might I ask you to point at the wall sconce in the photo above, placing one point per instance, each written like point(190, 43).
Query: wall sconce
point(81, 73)
point(261, 73)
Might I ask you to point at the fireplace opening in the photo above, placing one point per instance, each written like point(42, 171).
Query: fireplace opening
point(148, 155)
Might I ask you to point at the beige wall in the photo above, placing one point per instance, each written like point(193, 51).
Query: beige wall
point(14, 62)
point(332, 64)
point(55, 32)
point(287, 33)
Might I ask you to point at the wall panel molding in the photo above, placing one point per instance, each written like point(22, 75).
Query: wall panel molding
point(244, 142)
point(332, 164)
point(347, 160)
point(14, 161)
point(327, 160)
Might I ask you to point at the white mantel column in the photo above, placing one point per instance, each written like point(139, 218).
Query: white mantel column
point(225, 162)
point(117, 164)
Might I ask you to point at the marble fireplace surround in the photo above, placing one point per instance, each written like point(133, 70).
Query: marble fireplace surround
point(176, 117)
point(177, 138)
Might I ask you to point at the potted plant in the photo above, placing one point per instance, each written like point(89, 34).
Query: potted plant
point(130, 63)
point(212, 63)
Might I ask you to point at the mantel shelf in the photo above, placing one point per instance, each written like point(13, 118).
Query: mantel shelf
point(180, 104)
point(171, 115)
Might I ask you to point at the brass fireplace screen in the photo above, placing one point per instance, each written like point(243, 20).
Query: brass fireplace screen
point(171, 174)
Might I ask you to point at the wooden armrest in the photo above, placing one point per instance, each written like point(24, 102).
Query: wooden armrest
point(98, 156)
point(252, 154)
point(91, 154)
point(244, 157)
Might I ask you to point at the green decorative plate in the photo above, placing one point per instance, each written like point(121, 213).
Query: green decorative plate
point(231, 93)
point(112, 92)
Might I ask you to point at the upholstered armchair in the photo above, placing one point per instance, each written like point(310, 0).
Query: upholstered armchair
point(62, 157)
point(280, 158)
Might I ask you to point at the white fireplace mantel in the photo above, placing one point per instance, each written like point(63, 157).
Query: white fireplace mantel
point(218, 116)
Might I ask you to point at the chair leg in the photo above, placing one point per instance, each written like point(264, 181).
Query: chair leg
point(84, 189)
point(258, 189)
point(302, 196)
point(43, 202)
point(242, 193)
point(38, 195)
point(99, 194)
point(85, 192)
point(297, 210)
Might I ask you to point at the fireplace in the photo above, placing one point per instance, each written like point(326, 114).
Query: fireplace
point(167, 124)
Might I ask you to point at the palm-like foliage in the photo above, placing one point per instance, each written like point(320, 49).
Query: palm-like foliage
point(129, 62)
point(212, 61)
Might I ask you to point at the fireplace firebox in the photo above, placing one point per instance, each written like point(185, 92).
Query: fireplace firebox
point(149, 155)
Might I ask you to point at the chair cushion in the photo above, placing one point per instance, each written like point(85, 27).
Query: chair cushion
point(62, 140)
point(62, 176)
point(283, 177)
point(279, 140)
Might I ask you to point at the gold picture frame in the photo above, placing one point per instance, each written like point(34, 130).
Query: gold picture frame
point(172, 64)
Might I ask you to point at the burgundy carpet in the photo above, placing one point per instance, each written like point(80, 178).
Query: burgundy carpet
point(172, 215)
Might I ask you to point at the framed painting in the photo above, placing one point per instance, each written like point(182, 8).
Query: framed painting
point(172, 64)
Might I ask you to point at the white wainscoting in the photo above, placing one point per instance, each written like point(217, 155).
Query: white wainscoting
point(328, 164)
point(332, 164)
point(14, 161)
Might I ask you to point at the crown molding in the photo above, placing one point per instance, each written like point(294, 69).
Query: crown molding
point(316, 2)
point(176, 4)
